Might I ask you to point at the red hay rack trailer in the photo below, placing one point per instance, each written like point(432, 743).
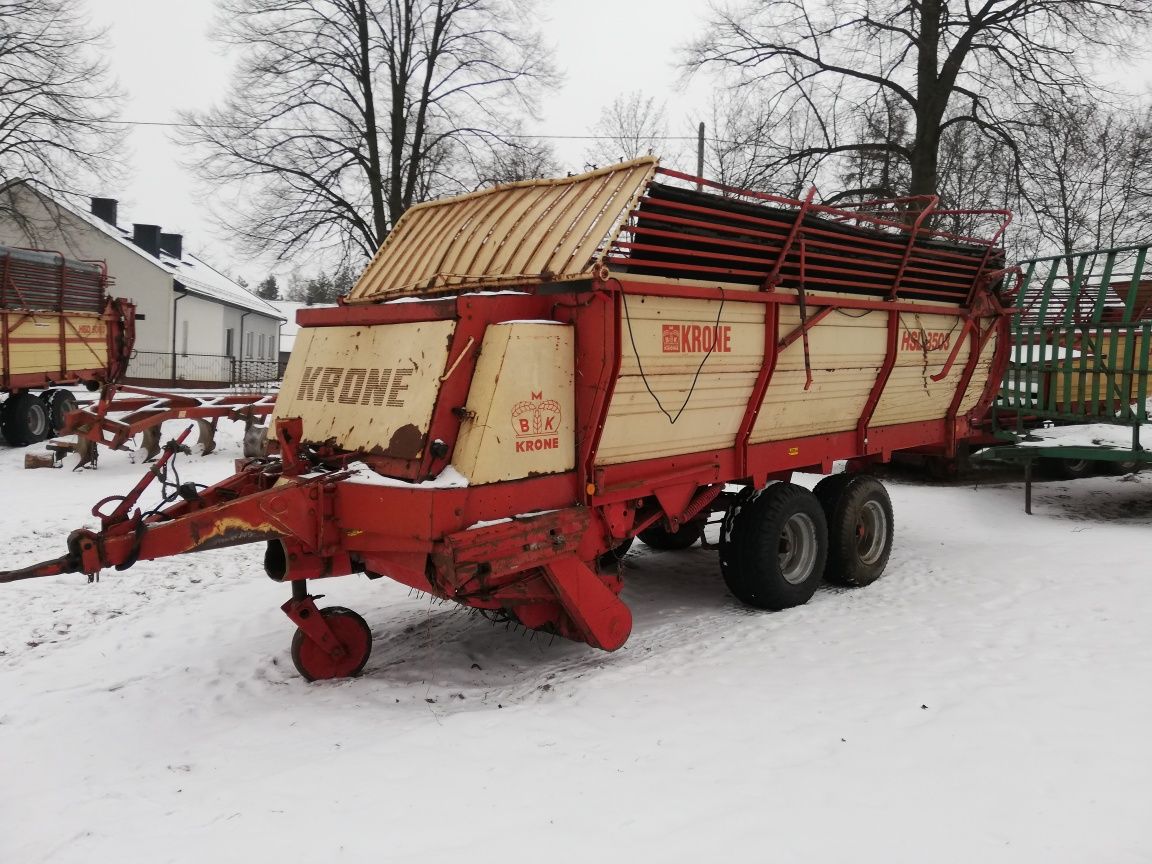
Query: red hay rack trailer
point(58, 327)
point(525, 379)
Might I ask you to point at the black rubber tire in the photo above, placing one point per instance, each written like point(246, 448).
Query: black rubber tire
point(60, 402)
point(1067, 469)
point(860, 527)
point(611, 559)
point(353, 631)
point(829, 490)
point(756, 530)
point(24, 420)
point(659, 537)
point(1123, 468)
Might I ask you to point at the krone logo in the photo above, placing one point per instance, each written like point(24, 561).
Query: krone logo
point(536, 422)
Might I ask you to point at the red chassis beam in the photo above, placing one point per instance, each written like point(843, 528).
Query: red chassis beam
point(331, 524)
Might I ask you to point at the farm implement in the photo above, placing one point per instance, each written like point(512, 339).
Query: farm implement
point(114, 420)
point(526, 379)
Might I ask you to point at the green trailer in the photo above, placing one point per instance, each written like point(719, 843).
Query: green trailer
point(1081, 340)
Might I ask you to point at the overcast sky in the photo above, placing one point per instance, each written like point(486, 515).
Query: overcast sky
point(165, 61)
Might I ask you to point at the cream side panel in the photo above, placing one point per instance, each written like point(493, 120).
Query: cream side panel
point(980, 376)
point(32, 357)
point(369, 388)
point(911, 396)
point(845, 353)
point(664, 343)
point(523, 405)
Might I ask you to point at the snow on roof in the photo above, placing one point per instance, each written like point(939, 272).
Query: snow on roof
point(289, 329)
point(191, 271)
point(200, 277)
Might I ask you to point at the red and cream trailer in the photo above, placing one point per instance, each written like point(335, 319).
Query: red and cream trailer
point(58, 327)
point(526, 378)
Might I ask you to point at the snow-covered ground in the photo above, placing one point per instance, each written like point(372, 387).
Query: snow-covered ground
point(1103, 435)
point(988, 700)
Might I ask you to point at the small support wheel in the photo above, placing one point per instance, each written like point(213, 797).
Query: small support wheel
point(773, 545)
point(659, 537)
point(355, 637)
point(859, 516)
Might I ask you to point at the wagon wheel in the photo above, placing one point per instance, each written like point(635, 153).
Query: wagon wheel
point(859, 516)
point(773, 546)
point(659, 537)
point(1128, 466)
point(611, 559)
point(355, 636)
point(24, 420)
point(60, 404)
point(1068, 469)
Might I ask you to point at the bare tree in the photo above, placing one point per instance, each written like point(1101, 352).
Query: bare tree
point(343, 113)
point(749, 145)
point(56, 97)
point(633, 125)
point(940, 63)
point(1085, 177)
point(526, 159)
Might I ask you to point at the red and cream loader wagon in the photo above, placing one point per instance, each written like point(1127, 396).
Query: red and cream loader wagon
point(58, 327)
point(526, 378)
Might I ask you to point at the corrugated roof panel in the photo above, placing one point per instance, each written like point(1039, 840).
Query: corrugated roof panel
point(533, 231)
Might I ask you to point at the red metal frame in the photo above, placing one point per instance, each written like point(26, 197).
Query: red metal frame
point(151, 408)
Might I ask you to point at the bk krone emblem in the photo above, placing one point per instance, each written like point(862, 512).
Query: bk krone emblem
point(536, 416)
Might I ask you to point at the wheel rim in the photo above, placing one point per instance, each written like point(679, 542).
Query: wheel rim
point(797, 548)
point(38, 421)
point(871, 532)
point(1077, 465)
point(316, 664)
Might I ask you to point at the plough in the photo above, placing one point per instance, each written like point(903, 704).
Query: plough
point(113, 421)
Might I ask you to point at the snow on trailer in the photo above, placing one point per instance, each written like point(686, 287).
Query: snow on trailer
point(58, 327)
point(608, 354)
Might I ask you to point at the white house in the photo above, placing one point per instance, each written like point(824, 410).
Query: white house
point(195, 325)
point(288, 309)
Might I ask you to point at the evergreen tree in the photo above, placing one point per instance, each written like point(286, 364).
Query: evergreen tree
point(268, 289)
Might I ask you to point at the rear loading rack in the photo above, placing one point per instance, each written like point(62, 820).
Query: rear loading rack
point(875, 248)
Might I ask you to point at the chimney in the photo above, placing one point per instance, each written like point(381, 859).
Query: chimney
point(172, 244)
point(147, 237)
point(105, 208)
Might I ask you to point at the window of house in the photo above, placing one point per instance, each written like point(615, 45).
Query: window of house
point(262, 355)
point(249, 339)
point(229, 347)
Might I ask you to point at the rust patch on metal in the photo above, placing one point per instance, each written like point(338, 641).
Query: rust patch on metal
point(224, 532)
point(406, 443)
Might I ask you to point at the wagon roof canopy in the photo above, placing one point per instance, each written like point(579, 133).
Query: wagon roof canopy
point(522, 233)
